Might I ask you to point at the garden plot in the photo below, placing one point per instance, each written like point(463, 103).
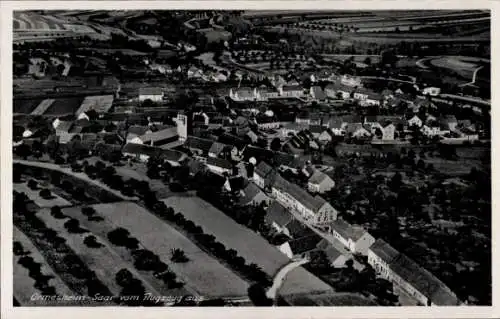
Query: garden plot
point(42, 107)
point(203, 273)
point(64, 106)
point(104, 261)
point(25, 106)
point(100, 104)
point(23, 284)
point(55, 200)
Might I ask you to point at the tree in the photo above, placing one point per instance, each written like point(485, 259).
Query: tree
point(145, 259)
point(123, 277)
point(89, 212)
point(72, 225)
point(257, 294)
point(91, 241)
point(275, 144)
point(118, 236)
point(23, 151)
point(32, 184)
point(45, 193)
point(17, 249)
point(179, 256)
point(56, 212)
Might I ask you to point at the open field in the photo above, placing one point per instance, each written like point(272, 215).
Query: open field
point(104, 261)
point(464, 66)
point(23, 284)
point(100, 104)
point(25, 106)
point(39, 201)
point(203, 274)
point(42, 107)
point(238, 237)
point(64, 106)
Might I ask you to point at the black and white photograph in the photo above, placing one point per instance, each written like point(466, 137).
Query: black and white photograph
point(251, 158)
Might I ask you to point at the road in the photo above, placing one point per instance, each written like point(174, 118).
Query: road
point(80, 176)
point(281, 275)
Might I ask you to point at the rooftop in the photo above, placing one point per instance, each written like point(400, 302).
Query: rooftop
point(278, 213)
point(348, 231)
point(166, 154)
point(151, 91)
point(219, 162)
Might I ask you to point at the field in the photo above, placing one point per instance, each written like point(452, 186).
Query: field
point(238, 237)
point(464, 66)
point(25, 106)
point(29, 21)
point(23, 287)
point(202, 274)
point(100, 104)
point(42, 107)
point(103, 261)
point(124, 51)
point(39, 201)
point(64, 106)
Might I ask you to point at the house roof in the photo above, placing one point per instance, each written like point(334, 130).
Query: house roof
point(316, 128)
point(198, 143)
point(159, 135)
point(335, 122)
point(250, 191)
point(138, 129)
point(385, 251)
point(166, 154)
point(331, 252)
point(298, 230)
point(318, 92)
point(216, 148)
point(352, 119)
point(292, 88)
point(219, 162)
point(262, 154)
point(151, 91)
point(348, 231)
point(354, 127)
point(423, 281)
point(449, 119)
point(278, 213)
point(64, 126)
point(300, 194)
point(263, 169)
point(304, 244)
point(318, 177)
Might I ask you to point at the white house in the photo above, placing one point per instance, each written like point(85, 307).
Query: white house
point(319, 182)
point(326, 136)
point(154, 94)
point(430, 130)
point(291, 91)
point(314, 210)
point(244, 94)
point(409, 276)
point(432, 91)
point(354, 238)
point(415, 121)
point(388, 132)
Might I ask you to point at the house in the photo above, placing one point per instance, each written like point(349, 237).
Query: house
point(351, 119)
point(135, 131)
point(408, 275)
point(263, 175)
point(252, 136)
point(316, 130)
point(291, 91)
point(303, 118)
point(372, 99)
point(336, 258)
point(252, 195)
point(194, 73)
point(422, 103)
point(326, 136)
point(144, 152)
point(351, 81)
point(219, 165)
point(415, 121)
point(244, 94)
point(278, 217)
point(338, 91)
point(157, 138)
point(388, 131)
point(154, 94)
point(432, 91)
point(315, 210)
point(357, 131)
point(354, 238)
point(302, 246)
point(449, 122)
point(335, 126)
point(292, 128)
point(199, 146)
point(431, 130)
point(216, 149)
point(319, 182)
point(265, 93)
point(317, 93)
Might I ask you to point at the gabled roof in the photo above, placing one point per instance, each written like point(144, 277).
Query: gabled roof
point(351, 119)
point(219, 162)
point(151, 91)
point(331, 252)
point(335, 122)
point(138, 129)
point(166, 154)
point(352, 128)
point(198, 143)
point(292, 88)
point(263, 169)
point(300, 194)
point(304, 244)
point(316, 128)
point(250, 191)
point(278, 213)
point(216, 148)
point(348, 231)
point(318, 177)
point(298, 230)
point(159, 135)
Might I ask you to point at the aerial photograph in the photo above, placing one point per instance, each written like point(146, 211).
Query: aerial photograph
point(251, 158)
